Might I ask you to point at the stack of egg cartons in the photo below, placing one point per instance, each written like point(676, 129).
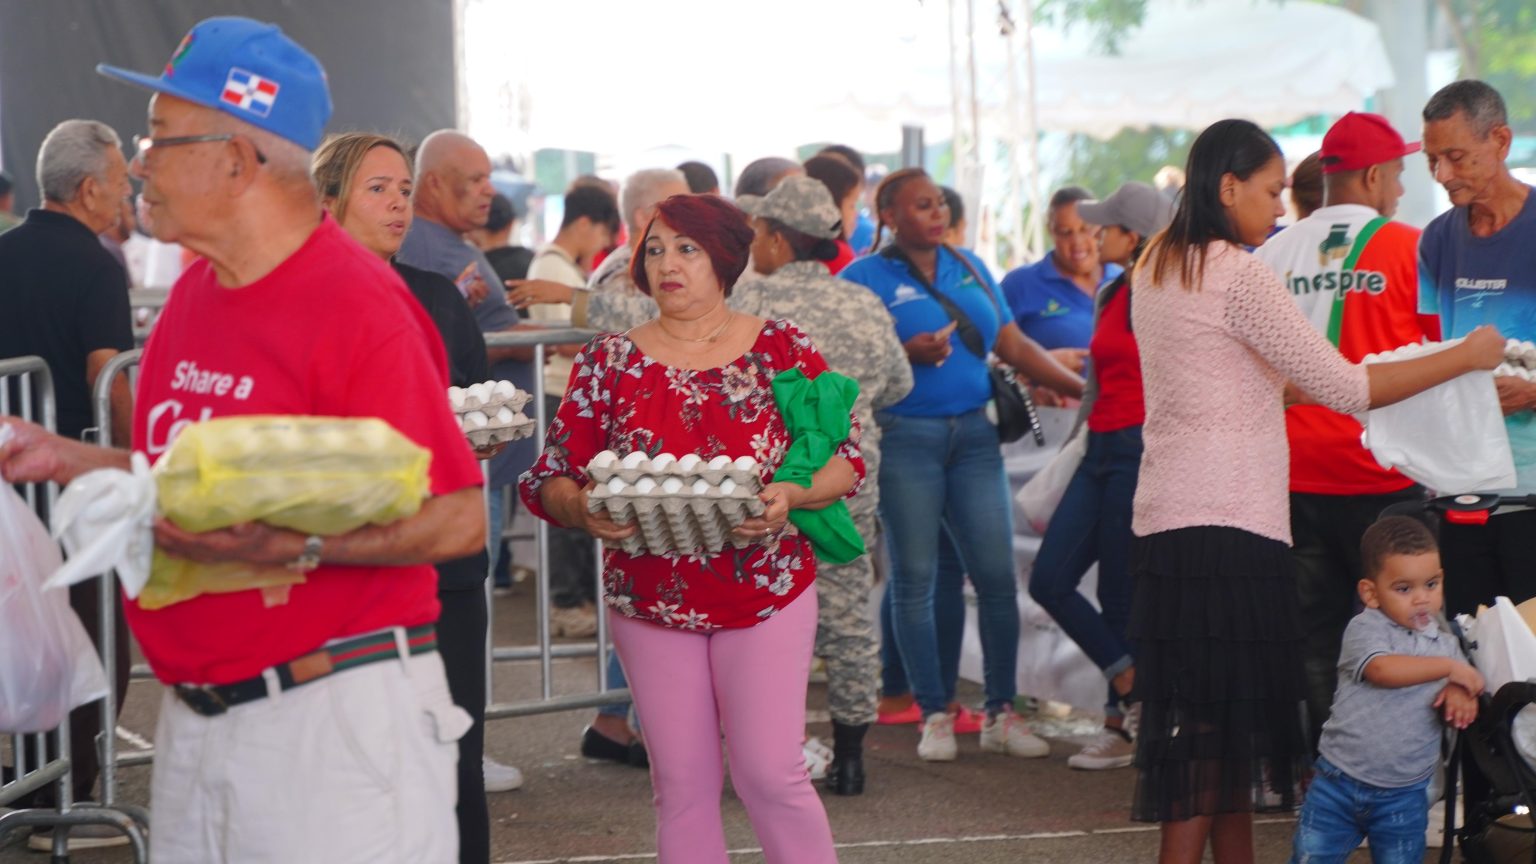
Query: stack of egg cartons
point(491, 413)
point(1519, 360)
point(680, 504)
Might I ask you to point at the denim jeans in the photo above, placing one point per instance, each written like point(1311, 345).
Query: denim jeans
point(946, 473)
point(1339, 810)
point(495, 517)
point(949, 623)
point(1093, 523)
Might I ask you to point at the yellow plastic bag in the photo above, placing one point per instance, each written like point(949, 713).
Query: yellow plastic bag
point(316, 475)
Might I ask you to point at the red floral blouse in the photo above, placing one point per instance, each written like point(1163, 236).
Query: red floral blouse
point(621, 400)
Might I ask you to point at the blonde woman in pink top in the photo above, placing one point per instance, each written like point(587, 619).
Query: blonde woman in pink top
point(1214, 620)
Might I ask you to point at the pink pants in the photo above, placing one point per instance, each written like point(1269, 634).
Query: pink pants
point(750, 683)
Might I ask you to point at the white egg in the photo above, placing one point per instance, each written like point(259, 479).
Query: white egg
point(504, 417)
point(672, 486)
point(719, 462)
point(701, 486)
point(662, 461)
point(616, 485)
point(1504, 370)
point(475, 420)
point(604, 459)
point(1512, 344)
point(645, 486)
point(456, 399)
point(745, 463)
point(634, 460)
point(689, 463)
point(503, 390)
point(727, 486)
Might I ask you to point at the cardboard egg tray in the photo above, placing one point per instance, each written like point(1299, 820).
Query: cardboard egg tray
point(491, 412)
point(679, 505)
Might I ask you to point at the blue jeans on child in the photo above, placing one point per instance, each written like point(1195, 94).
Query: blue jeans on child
point(947, 473)
point(1093, 523)
point(1339, 810)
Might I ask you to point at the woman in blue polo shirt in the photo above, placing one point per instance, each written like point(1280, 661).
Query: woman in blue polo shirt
point(943, 468)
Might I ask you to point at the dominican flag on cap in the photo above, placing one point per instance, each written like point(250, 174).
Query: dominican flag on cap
point(250, 92)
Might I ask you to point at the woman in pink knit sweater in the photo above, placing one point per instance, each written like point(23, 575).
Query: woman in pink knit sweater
point(1215, 616)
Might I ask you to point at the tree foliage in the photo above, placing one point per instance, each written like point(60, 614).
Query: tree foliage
point(1101, 166)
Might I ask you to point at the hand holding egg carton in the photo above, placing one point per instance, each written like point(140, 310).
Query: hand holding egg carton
point(1519, 360)
point(491, 413)
point(680, 504)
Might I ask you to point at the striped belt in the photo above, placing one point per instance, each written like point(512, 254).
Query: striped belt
point(215, 699)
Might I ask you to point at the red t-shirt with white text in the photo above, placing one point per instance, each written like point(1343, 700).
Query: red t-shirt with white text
point(332, 331)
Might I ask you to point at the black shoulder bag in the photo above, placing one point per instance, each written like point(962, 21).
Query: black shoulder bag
point(1015, 410)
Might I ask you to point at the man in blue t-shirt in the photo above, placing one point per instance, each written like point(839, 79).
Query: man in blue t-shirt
point(1477, 265)
point(1052, 299)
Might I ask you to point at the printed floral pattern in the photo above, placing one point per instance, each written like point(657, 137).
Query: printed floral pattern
point(621, 400)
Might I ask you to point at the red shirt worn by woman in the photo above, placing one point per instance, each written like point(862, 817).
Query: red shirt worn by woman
point(622, 400)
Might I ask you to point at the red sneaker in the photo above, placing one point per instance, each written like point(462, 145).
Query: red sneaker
point(901, 717)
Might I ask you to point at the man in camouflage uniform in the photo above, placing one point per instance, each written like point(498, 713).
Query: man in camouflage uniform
point(611, 302)
point(795, 226)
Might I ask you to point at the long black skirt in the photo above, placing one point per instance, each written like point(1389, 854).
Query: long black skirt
point(1216, 628)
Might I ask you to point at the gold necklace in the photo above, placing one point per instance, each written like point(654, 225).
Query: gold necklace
point(730, 316)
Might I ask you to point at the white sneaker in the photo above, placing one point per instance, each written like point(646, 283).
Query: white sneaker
point(817, 757)
point(938, 742)
point(1110, 749)
point(499, 777)
point(1004, 732)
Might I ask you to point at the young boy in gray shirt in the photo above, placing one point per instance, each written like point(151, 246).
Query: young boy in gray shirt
point(1399, 672)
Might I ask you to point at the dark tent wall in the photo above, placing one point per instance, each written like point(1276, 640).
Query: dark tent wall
point(390, 63)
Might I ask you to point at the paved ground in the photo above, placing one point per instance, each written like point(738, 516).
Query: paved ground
point(982, 808)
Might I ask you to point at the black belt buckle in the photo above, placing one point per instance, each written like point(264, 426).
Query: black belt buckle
point(203, 700)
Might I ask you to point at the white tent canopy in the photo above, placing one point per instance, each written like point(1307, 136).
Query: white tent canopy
point(614, 76)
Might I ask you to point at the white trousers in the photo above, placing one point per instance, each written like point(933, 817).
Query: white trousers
point(355, 767)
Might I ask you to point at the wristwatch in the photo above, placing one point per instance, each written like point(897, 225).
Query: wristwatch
point(309, 559)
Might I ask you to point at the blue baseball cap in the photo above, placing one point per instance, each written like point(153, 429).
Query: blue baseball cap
point(247, 69)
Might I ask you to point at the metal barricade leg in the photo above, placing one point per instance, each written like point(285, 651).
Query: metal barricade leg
point(543, 650)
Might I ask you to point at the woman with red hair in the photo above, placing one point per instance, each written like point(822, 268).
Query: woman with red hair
point(708, 642)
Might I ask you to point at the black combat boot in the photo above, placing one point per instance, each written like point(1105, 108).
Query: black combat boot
point(845, 776)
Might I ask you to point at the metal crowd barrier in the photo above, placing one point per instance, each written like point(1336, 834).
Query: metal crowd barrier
point(34, 386)
point(543, 650)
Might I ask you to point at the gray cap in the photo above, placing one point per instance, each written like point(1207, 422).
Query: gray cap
point(799, 202)
point(1134, 205)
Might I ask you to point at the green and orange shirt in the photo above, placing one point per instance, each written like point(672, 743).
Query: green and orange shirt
point(1354, 274)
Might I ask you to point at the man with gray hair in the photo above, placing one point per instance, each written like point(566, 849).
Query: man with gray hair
point(316, 726)
point(1477, 265)
point(452, 198)
point(611, 302)
point(64, 298)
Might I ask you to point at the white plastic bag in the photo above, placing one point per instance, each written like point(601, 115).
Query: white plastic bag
point(1039, 497)
point(1503, 647)
point(1451, 438)
point(47, 662)
point(105, 519)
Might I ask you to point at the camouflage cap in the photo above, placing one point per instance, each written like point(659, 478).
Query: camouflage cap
point(799, 202)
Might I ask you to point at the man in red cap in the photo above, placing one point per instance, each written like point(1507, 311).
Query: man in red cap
point(1353, 271)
